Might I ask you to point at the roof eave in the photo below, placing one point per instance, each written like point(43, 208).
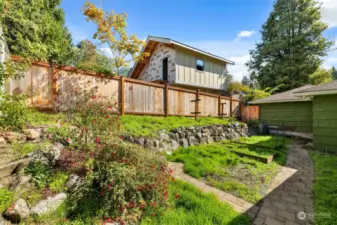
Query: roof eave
point(312, 93)
point(280, 101)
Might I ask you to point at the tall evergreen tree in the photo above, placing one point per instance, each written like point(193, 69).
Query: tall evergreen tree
point(246, 81)
point(35, 29)
point(333, 72)
point(292, 45)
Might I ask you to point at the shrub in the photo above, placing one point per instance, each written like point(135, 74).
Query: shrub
point(58, 182)
point(253, 124)
point(91, 119)
point(13, 111)
point(123, 182)
point(41, 173)
point(6, 199)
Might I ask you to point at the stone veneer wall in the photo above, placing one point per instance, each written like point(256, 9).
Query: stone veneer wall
point(191, 136)
point(153, 70)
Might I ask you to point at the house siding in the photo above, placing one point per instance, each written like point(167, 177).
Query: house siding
point(212, 77)
point(153, 70)
point(294, 115)
point(325, 123)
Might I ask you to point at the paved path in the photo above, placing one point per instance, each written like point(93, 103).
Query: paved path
point(283, 204)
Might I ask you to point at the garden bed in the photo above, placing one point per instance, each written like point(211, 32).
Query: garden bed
point(218, 166)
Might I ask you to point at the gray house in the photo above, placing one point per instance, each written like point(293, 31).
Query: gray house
point(179, 64)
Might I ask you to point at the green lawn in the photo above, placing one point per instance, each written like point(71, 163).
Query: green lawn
point(190, 208)
point(325, 188)
point(150, 125)
point(219, 167)
point(194, 207)
point(147, 126)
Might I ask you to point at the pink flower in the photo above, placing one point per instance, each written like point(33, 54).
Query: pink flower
point(98, 140)
point(93, 97)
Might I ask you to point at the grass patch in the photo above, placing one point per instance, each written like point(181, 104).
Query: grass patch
point(194, 207)
point(36, 118)
point(6, 199)
point(219, 167)
point(149, 125)
point(325, 188)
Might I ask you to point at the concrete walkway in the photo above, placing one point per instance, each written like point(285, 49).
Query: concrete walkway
point(290, 203)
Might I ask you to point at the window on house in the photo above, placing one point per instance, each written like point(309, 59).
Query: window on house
point(200, 65)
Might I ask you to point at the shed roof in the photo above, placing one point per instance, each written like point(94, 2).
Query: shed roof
point(323, 89)
point(287, 96)
point(151, 44)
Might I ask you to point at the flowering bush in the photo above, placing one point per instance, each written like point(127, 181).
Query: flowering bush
point(90, 117)
point(121, 182)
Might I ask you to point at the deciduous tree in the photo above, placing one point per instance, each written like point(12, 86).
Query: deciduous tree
point(111, 31)
point(321, 76)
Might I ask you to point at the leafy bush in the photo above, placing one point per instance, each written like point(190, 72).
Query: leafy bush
point(59, 134)
point(91, 118)
point(6, 199)
point(253, 124)
point(58, 182)
point(41, 173)
point(13, 111)
point(123, 182)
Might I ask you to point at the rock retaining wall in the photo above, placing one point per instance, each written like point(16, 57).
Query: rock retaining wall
point(190, 136)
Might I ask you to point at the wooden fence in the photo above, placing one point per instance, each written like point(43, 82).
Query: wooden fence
point(249, 112)
point(45, 86)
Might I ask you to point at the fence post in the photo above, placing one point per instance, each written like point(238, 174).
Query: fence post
point(54, 74)
point(231, 107)
point(219, 106)
point(197, 104)
point(122, 96)
point(166, 100)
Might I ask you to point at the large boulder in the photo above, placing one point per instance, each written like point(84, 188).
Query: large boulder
point(174, 144)
point(183, 142)
point(14, 137)
point(73, 181)
point(192, 141)
point(55, 152)
point(209, 140)
point(48, 205)
point(33, 134)
point(140, 141)
point(17, 211)
point(20, 182)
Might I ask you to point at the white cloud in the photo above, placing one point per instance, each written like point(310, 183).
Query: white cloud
point(236, 51)
point(329, 12)
point(106, 51)
point(246, 33)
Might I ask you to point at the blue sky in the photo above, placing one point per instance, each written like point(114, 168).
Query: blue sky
point(228, 28)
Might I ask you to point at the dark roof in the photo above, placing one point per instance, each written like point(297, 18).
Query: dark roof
point(287, 96)
point(323, 89)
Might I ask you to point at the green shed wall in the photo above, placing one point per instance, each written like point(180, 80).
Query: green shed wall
point(325, 123)
point(297, 115)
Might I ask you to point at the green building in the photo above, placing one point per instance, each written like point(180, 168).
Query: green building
point(287, 110)
point(324, 115)
point(308, 109)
